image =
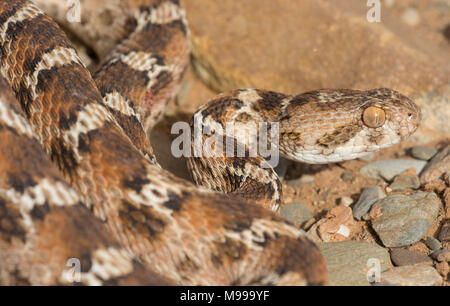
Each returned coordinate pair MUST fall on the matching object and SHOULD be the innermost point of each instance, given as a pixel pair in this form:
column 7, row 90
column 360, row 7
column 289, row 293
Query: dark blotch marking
column 239, row 224
column 231, row 249
column 10, row 10
column 85, row 262
column 175, row 202
column 143, row 220
column 163, row 79
column 187, row 264
column 39, row 211
column 218, row 106
column 135, row 183
column 270, row 99
column 66, row 122
column 64, row 156
column 20, row 182
column 339, row 136
column 264, row 242
column 83, row 143
column 10, row 222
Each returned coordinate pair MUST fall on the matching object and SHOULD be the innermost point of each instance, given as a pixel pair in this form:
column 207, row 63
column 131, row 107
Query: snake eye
column 374, row 117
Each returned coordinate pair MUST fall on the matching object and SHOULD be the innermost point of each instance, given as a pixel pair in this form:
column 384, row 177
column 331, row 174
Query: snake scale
column 79, row 178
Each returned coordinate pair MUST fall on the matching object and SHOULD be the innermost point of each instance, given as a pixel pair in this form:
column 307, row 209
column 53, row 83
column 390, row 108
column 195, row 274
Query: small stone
column 433, row 243
column 404, row 219
column 423, row 153
column 418, row 275
column 368, row 197
column 366, row 217
column 403, row 257
column 297, row 212
column 368, row 157
column 346, row 201
column 441, row 255
column 307, row 225
column 405, row 180
column 437, row 166
column 443, row 269
column 348, row 262
column 312, row 233
column 411, row 16
column 337, row 226
column 444, row 234
column 301, row 182
column 446, row 196
column 347, row 177
column 387, row 169
column 400, row 153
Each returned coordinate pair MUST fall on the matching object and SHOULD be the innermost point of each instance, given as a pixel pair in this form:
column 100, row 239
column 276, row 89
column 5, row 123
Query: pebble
column 443, row 269
column 423, row 153
column 296, row 212
column 403, row 257
column 337, row 225
column 387, row 169
column 444, row 234
column 368, row 157
column 433, row 244
column 401, row 220
column 418, row 275
column 302, row 181
column 347, row 177
column 411, row 16
column 405, row 181
column 348, row 262
column 441, row 255
column 346, row 201
column 368, row 197
column 437, row 166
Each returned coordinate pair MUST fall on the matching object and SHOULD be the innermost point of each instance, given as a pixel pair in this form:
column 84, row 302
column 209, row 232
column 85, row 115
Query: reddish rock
column 438, row 166
column 412, row 276
column 403, row 257
column 337, row 225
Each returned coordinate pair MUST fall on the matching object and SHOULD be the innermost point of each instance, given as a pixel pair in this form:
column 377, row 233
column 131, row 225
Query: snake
column 80, row 182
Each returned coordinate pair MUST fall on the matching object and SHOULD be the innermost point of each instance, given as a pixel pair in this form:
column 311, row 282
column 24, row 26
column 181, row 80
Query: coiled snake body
column 160, row 228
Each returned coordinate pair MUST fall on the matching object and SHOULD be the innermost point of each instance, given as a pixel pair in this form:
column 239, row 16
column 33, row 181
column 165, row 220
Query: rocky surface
column 337, row 225
column 444, row 234
column 433, row 244
column 349, row 262
column 441, row 255
column 423, row 152
column 297, row 212
column 403, row 257
column 437, row 166
column 405, row 180
column 412, row 276
column 368, row 197
column 401, row 220
column 389, row 168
